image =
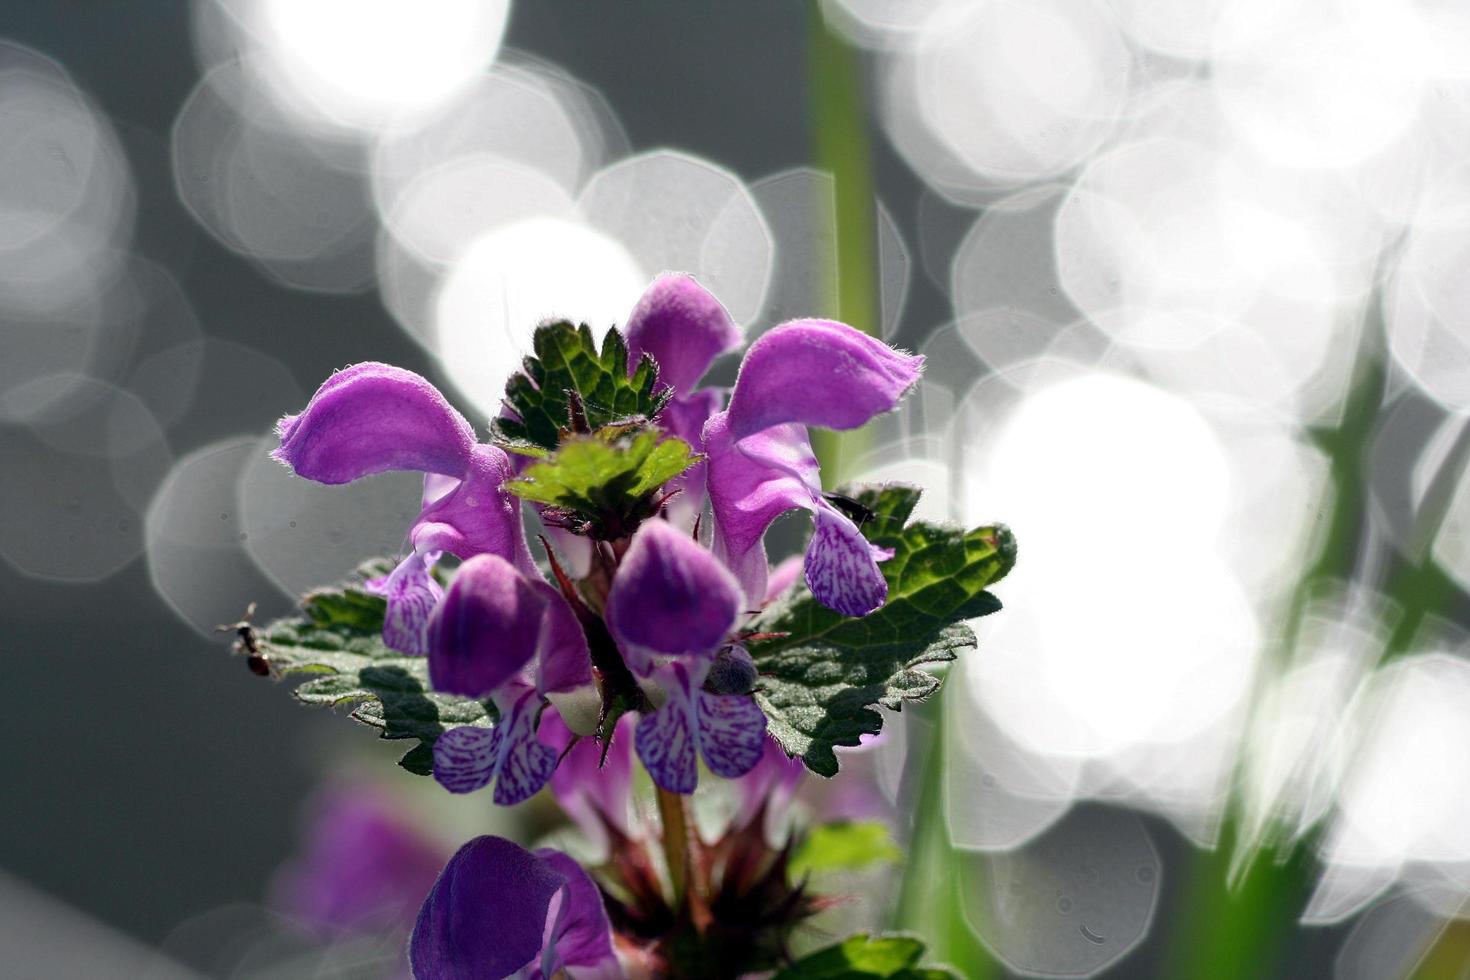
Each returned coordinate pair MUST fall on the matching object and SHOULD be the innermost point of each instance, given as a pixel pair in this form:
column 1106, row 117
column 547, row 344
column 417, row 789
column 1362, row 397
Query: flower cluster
column 365, row 868
column 643, row 604
column 739, row 909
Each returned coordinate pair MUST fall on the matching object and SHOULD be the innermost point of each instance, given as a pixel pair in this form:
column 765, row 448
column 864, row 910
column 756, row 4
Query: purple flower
column 371, row 418
column 499, row 910
column 671, row 609
column 770, row 786
column 684, row 328
column 363, row 866
column 807, row 372
column 594, row 790
column 670, row 605
column 513, row 638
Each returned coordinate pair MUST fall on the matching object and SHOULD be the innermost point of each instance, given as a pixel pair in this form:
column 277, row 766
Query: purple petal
column 581, row 935
column 412, row 593
column 683, row 326
column 486, row 628
column 817, row 372
column 436, row 485
column 563, row 661
column 770, row 784
column 732, row 733
column 671, row 596
column 574, row 551
column 363, row 867
column 469, row 757
column 465, row 757
column 370, row 418
column 667, row 739
column 525, row 763
column 842, row 567
column 588, row 789
column 751, row 483
column 477, row 517
column 783, row 577
column 685, row 418
column 485, row 917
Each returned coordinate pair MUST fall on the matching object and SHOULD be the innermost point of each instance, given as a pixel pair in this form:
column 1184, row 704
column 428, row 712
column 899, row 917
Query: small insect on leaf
column 247, row 643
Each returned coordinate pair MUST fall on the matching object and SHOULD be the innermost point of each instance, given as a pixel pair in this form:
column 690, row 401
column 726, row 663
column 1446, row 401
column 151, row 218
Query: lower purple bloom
column 363, row 866
column 498, row 910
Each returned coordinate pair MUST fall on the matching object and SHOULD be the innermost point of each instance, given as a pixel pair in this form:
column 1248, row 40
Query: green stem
column 839, row 125
column 673, row 813
column 930, row 899
column 1239, row 928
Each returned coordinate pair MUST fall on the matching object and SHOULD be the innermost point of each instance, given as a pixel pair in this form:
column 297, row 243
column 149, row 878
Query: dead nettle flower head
column 653, row 626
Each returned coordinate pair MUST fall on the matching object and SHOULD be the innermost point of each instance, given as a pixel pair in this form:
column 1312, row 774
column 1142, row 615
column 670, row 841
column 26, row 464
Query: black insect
column 247, row 642
column 855, row 511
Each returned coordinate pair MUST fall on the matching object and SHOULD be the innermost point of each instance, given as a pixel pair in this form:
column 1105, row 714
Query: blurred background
column 1190, row 279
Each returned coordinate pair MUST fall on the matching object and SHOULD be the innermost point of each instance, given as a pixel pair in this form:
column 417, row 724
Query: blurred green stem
column 930, row 902
column 1238, row 929
column 839, row 124
column 1241, row 930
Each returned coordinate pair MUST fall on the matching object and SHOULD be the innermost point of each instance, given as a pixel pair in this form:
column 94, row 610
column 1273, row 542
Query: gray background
column 149, row 778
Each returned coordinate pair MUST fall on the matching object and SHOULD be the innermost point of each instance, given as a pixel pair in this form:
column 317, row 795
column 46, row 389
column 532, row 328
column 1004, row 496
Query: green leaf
column 844, row 846
column 338, row 640
column 567, row 360
column 606, row 478
column 821, row 681
column 862, row 957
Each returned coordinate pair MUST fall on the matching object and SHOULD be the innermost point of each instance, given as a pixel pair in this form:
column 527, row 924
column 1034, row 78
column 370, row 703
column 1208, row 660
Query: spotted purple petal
column 817, row 372
column 727, row 730
column 464, row 757
column 683, row 326
column 732, row 732
column 671, row 596
column 485, row 917
column 525, row 764
column 842, row 566
column 754, row 481
column 751, row 483
column 485, row 629
column 370, row 418
column 667, row 739
column 509, row 755
column 411, row 593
